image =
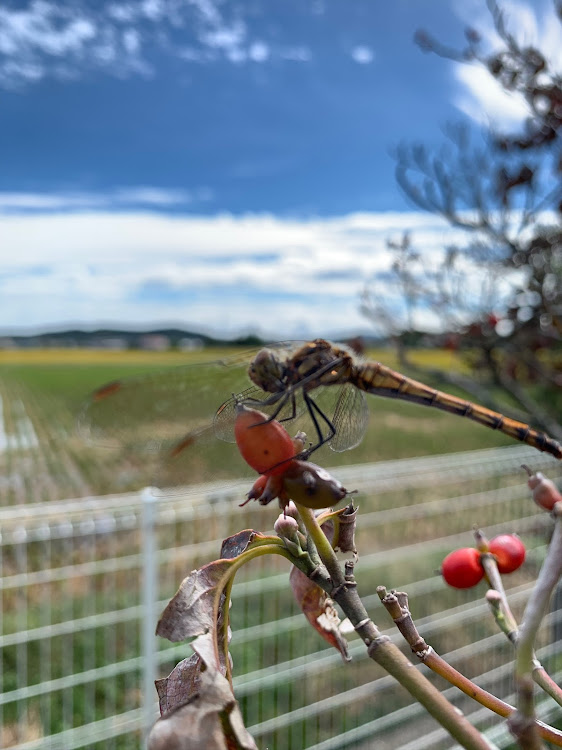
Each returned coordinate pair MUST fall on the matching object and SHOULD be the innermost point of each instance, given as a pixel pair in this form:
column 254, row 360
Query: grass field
column 46, row 458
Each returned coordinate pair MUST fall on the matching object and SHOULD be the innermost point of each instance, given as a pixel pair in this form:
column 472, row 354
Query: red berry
column 509, row 552
column 462, row 568
column 263, row 443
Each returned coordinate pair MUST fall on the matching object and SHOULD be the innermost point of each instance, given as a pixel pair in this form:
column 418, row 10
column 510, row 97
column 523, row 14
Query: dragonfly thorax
column 319, row 362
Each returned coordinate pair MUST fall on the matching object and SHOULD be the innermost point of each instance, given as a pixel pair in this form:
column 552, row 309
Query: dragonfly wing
column 150, row 411
column 199, row 457
column 350, row 418
column 142, row 419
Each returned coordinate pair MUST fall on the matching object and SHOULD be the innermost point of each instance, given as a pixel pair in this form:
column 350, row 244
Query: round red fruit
column 462, row 569
column 264, row 444
column 509, row 552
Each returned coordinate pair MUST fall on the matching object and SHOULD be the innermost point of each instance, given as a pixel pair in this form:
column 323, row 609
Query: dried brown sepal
column 347, row 522
column 234, row 545
column 319, row 610
column 184, row 681
column 339, row 527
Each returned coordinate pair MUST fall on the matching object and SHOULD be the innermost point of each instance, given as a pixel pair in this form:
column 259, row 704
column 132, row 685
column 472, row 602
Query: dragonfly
column 176, row 426
column 315, row 387
column 321, row 363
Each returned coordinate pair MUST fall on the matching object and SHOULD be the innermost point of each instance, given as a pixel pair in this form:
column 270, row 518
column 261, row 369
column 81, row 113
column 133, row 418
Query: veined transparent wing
column 350, row 417
column 162, row 422
column 152, row 411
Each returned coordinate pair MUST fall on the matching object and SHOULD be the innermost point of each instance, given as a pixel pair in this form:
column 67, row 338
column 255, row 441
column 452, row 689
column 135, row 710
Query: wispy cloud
column 140, row 197
column 284, row 277
column 48, row 38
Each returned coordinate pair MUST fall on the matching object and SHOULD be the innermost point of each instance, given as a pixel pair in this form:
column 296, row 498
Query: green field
column 43, row 392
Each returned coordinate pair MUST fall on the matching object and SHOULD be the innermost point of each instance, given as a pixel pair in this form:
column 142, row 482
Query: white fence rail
column 83, row 582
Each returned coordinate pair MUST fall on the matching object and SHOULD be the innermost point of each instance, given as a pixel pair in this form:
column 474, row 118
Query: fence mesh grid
column 83, row 582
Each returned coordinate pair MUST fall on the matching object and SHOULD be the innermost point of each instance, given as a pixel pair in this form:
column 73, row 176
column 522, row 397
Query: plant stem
column 381, row 649
column 508, row 624
column 224, row 586
column 438, row 665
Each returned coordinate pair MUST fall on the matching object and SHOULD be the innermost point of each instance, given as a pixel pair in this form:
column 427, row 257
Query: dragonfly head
column 267, row 371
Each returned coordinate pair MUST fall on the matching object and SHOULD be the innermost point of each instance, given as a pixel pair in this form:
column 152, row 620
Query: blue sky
column 224, row 166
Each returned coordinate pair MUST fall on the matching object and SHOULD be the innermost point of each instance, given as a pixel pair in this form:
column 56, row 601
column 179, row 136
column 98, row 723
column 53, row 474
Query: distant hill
column 114, row 338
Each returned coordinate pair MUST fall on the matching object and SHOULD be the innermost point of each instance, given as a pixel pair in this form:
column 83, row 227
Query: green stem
column 224, row 585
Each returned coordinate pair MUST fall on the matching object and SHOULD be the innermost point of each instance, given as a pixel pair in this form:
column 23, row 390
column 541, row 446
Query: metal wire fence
column 83, row 582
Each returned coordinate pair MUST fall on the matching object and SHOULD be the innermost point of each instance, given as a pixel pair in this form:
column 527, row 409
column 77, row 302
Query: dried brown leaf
column 180, row 685
column 191, row 611
column 209, row 720
column 319, row 610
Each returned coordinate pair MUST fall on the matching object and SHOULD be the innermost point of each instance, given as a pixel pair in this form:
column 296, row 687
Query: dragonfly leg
column 314, row 409
column 286, row 396
column 282, row 399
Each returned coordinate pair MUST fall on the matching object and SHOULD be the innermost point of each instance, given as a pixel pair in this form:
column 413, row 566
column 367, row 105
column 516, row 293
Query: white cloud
column 362, row 55
column 287, row 277
column 258, row 52
column 153, row 9
column 35, row 40
column 485, row 101
column 225, row 38
column 42, row 27
column 131, row 41
column 480, row 96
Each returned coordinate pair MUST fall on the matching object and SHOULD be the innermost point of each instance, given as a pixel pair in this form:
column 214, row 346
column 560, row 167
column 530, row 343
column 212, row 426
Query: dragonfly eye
column 267, row 371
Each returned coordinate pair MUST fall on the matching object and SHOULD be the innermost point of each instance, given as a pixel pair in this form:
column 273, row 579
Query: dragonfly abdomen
column 380, row 380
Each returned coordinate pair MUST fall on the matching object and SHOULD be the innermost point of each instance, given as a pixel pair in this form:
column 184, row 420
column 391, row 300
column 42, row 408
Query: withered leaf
column 181, row 684
column 209, row 720
column 319, row 610
column 190, row 611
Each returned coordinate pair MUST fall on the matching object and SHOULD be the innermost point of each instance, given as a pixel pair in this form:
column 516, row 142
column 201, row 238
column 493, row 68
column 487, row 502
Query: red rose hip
column 462, row 569
column 509, row 551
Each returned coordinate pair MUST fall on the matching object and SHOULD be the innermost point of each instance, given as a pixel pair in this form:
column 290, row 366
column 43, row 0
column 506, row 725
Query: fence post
column 149, row 597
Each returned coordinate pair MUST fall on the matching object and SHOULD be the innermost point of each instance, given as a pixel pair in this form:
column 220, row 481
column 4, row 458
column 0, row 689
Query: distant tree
column 499, row 293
